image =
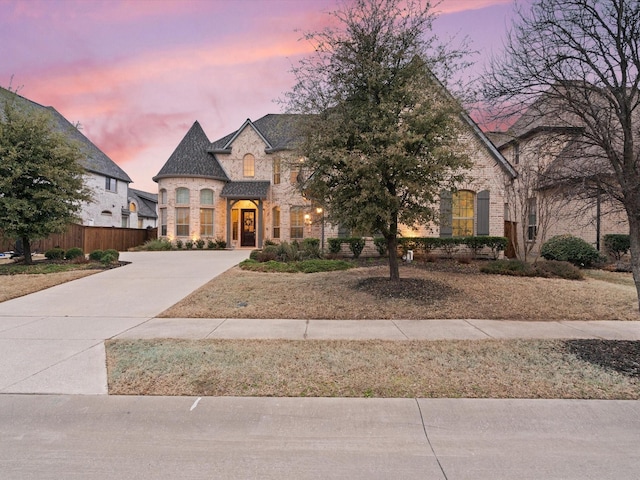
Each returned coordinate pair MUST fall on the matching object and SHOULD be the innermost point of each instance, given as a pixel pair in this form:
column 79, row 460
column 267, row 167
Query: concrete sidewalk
column 199, row 328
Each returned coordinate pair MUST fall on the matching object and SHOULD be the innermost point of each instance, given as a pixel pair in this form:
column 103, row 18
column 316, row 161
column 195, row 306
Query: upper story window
column 163, row 197
column 110, row 184
column 277, row 166
column 206, row 197
column 249, row 165
column 132, row 207
column 182, row 196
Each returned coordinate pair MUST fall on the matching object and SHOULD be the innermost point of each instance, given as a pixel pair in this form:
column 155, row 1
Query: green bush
column 310, row 248
column 157, row 244
column 110, row 256
column 567, row 248
column 188, row 244
column 73, row 252
column 268, row 253
column 546, row 269
column 335, row 245
column 211, row 244
column 221, row 244
column 179, row 244
column 108, row 259
column 509, row 267
column 306, row 266
column 617, row 245
column 200, row 244
column 54, row 254
column 381, row 245
column 356, row 245
column 268, row 242
column 96, row 255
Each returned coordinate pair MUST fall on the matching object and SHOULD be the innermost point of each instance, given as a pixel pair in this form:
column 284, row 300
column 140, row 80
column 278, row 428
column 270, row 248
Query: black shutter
column 483, row 212
column 446, row 214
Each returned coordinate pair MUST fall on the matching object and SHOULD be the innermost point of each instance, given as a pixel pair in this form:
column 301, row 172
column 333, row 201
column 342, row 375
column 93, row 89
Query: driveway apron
column 52, row 340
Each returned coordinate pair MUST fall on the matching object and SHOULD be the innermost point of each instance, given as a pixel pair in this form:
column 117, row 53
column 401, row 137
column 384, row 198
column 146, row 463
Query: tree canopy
column 381, row 131
column 41, row 179
column 578, row 62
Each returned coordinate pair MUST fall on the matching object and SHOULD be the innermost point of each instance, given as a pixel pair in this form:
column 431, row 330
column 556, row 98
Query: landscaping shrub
column 113, row 253
column 335, row 244
column 305, row 266
column 567, row 248
column 73, row 252
column 54, row 254
column 179, row 244
column 200, row 244
column 211, row 245
column 552, row 268
column 96, row 255
column 267, row 254
column 157, row 244
column 268, row 242
column 356, row 245
column 310, row 248
column 381, row 245
column 108, row 259
column 286, row 252
column 221, row 244
column 508, row 267
column 617, row 245
column 546, row 269
column 254, row 255
column 188, row 244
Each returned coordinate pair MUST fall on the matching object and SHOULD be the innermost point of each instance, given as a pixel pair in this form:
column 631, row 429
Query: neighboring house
column 108, row 182
column 544, row 147
column 143, row 207
column 242, row 188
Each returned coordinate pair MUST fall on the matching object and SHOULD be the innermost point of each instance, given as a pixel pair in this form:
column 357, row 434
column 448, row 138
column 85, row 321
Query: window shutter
column 483, row 212
column 446, row 214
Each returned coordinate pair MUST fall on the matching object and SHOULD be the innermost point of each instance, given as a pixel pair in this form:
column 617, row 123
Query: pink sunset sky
column 136, row 74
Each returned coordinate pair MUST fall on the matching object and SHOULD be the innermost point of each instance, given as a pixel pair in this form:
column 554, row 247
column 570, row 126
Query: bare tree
column 577, row 62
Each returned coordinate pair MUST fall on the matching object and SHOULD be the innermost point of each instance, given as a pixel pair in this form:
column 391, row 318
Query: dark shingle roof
column 277, row 130
column 191, row 158
column 251, row 189
column 95, row 160
column 146, row 201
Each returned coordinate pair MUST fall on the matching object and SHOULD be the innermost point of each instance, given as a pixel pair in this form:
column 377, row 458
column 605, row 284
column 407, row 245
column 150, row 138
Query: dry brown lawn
column 13, row 286
column 415, row 369
column 449, row 290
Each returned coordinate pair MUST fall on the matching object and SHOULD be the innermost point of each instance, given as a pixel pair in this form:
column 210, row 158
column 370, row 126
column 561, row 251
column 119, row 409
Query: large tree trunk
column 634, row 234
column 392, row 250
column 26, row 247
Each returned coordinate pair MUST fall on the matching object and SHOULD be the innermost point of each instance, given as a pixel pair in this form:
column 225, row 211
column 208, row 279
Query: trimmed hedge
column 451, row 244
column 54, row 254
column 73, row 252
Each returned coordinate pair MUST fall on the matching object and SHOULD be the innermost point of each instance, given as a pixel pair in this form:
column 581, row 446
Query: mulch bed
column 623, row 356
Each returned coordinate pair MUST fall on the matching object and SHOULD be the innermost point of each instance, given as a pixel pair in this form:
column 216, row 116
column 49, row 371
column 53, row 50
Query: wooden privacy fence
column 95, row 238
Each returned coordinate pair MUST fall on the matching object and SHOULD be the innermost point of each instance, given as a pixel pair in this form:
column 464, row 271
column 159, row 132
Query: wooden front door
column 248, row 228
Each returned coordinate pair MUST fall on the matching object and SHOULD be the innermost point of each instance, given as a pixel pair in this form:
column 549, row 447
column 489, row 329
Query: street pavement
column 56, row 420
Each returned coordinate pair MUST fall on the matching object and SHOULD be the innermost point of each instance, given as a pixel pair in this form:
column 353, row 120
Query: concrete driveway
column 52, row 340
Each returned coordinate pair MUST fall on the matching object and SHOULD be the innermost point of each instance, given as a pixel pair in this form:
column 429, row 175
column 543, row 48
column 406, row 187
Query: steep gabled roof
column 147, row 202
column 95, row 160
column 191, row 158
column 277, row 131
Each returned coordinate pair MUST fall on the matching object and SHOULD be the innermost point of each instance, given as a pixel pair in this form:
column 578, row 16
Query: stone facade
column 248, row 159
column 107, row 206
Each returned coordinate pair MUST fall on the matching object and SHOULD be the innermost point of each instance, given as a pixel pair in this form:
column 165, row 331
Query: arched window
column 206, row 196
column 182, row 196
column 132, row 207
column 463, row 213
column 249, row 165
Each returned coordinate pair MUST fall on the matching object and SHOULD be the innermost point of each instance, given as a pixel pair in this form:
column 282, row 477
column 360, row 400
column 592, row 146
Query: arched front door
column 248, row 228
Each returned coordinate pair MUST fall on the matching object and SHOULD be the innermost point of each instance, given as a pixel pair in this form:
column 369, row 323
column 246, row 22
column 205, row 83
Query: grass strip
column 388, row 369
